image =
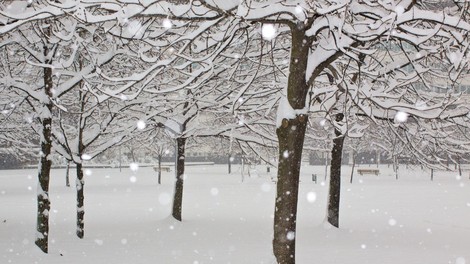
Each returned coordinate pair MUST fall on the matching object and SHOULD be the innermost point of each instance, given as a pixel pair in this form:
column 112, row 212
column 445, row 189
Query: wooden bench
column 163, row 168
column 368, row 171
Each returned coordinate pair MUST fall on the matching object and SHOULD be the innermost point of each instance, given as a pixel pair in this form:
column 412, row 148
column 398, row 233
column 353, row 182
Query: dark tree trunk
column 178, row 195
column 335, row 176
column 67, row 174
column 159, row 169
column 229, row 164
column 285, row 216
column 80, row 184
column 291, row 134
column 353, row 166
column 43, row 202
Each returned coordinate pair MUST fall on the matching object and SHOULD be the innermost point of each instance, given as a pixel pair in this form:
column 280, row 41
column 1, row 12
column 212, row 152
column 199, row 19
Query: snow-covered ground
column 412, row 220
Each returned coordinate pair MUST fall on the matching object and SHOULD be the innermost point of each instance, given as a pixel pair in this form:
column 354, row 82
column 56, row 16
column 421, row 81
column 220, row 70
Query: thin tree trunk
column 291, row 134
column 43, row 202
column 67, row 174
column 395, row 166
column 460, row 168
column 335, row 176
column 80, row 184
column 326, row 165
column 178, row 194
column 159, row 169
column 229, row 163
column 353, row 165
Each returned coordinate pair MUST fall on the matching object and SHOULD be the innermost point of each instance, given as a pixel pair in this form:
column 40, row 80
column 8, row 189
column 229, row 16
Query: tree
column 43, row 50
column 321, row 34
column 313, row 27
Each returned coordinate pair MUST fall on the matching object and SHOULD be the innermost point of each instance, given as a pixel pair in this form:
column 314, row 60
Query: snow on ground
column 412, row 220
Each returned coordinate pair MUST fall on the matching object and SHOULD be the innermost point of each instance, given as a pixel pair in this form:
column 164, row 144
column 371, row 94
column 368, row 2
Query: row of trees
column 88, row 75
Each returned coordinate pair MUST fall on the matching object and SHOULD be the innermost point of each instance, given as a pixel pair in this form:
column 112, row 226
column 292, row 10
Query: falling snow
column 268, row 31
column 228, row 217
column 401, row 117
column 141, row 124
column 290, row 235
column 86, row 157
column 134, row 166
column 311, row 197
column 167, row 23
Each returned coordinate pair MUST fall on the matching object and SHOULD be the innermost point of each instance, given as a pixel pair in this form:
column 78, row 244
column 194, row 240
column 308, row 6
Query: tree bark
column 67, row 174
column 80, row 184
column 353, row 166
column 335, row 176
column 229, row 163
column 291, row 134
column 159, row 169
column 43, row 202
column 178, row 194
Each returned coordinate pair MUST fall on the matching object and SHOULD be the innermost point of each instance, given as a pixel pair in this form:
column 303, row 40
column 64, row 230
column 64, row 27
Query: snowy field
column 412, row 220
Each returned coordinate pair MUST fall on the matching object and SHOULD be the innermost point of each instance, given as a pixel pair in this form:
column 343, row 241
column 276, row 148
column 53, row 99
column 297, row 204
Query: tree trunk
column 285, row 216
column 67, row 174
column 395, row 166
column 178, row 194
column 377, row 158
column 335, row 176
column 229, row 163
column 353, row 165
column 80, row 184
column 291, row 134
column 43, row 202
column 326, row 165
column 159, row 169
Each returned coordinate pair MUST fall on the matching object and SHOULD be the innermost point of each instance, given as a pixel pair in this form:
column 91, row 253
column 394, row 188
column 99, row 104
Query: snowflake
column 268, row 31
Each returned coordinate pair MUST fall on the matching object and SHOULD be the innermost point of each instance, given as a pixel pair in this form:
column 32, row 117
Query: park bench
column 163, row 168
column 368, row 171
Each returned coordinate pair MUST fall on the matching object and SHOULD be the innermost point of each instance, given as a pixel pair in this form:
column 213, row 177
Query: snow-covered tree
column 44, row 53
column 321, row 34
